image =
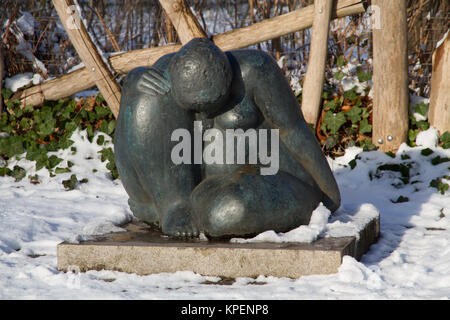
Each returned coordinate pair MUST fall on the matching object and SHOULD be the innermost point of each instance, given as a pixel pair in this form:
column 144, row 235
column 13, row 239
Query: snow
column 441, row 41
column 428, row 138
column 343, row 223
column 414, row 100
column 27, row 24
column 18, row 81
column 410, row 260
column 304, row 233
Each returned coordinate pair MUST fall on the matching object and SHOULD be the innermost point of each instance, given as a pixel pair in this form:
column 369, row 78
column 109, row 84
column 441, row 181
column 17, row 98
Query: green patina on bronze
column 225, row 90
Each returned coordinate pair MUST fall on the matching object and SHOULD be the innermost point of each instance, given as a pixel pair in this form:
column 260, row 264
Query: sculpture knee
column 223, row 215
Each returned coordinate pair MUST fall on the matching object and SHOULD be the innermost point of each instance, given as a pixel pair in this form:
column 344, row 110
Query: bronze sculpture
column 241, row 89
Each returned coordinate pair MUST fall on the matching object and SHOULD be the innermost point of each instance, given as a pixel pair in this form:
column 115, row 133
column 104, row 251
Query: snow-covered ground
column 411, row 260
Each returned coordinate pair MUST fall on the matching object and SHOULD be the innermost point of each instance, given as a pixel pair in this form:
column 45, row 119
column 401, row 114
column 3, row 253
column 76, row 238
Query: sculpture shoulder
column 251, row 62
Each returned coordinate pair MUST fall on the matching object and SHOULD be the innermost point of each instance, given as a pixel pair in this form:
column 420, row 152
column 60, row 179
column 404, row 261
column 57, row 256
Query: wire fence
column 35, row 41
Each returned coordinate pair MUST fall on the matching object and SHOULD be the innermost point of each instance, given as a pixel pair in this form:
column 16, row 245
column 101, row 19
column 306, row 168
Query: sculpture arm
column 275, row 99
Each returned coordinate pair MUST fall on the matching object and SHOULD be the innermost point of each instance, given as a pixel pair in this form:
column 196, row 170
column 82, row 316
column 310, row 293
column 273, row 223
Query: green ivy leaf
column 5, row 172
column 367, row 145
column 405, row 157
column 111, row 127
column 11, row 146
column 334, row 121
column 438, row 160
column 39, row 155
column 423, row 125
column 339, row 75
column 6, row 93
column 107, row 154
column 26, row 123
column 65, row 143
column 104, row 127
column 364, row 76
column 70, row 126
column 412, row 135
column 18, row 173
column 90, row 131
column 354, row 115
column 101, row 112
column 365, row 113
column 46, row 128
column 71, row 183
column 100, row 140
column 426, row 152
column 61, row 170
column 4, row 119
column 331, row 141
column 364, row 126
column 53, row 161
column 390, row 154
column 445, row 139
column 28, row 108
column 421, row 109
column 18, row 112
column 100, row 98
column 400, row 199
column 340, row 61
column 331, row 105
column 350, row 94
column 66, row 114
column 437, row 183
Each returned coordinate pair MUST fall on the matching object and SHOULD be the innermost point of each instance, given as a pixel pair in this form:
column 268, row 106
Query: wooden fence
column 390, row 66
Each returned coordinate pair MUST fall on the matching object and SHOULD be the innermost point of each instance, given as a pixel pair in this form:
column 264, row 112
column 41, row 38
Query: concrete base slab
column 144, row 250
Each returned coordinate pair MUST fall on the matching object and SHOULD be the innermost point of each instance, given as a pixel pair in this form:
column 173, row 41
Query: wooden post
column 80, row 80
column 315, row 74
column 2, row 70
column 87, row 51
column 439, row 112
column 390, row 76
column 170, row 30
column 183, row 20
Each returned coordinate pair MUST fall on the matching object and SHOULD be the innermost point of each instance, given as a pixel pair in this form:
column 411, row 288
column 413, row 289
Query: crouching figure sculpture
column 221, row 100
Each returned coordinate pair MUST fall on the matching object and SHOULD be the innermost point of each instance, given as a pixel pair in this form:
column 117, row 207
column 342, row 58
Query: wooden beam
column 183, row 20
column 390, row 76
column 281, row 25
column 439, row 112
column 87, row 51
column 315, row 74
column 79, row 80
column 2, row 70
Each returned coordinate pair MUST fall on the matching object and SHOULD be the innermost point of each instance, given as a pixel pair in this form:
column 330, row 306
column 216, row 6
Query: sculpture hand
column 152, row 82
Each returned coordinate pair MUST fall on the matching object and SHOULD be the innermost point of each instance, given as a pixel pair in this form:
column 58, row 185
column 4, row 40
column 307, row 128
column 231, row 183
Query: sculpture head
column 200, row 75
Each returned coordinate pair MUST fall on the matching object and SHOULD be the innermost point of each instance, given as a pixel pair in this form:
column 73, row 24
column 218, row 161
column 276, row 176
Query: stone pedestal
column 143, row 250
